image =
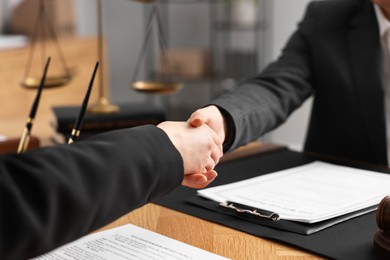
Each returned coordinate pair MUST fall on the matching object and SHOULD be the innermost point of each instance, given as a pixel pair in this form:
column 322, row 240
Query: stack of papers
column 310, row 193
column 128, row 242
column 12, row 41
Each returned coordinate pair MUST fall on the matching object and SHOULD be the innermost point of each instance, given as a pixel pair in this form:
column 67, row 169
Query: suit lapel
column 365, row 57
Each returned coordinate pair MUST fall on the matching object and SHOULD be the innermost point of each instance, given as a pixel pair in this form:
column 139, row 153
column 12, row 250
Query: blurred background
column 209, row 44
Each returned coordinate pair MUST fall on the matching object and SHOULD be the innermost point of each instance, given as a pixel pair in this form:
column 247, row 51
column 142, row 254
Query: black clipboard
column 251, row 214
column 352, row 239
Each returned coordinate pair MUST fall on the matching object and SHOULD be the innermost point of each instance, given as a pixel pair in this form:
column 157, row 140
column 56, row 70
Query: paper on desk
column 127, row 242
column 310, row 193
column 12, row 41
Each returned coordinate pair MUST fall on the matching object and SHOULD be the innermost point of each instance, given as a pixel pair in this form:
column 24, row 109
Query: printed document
column 310, row 193
column 127, row 242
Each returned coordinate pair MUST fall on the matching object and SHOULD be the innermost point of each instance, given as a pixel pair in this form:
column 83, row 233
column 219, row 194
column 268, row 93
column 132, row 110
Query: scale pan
column 159, row 87
column 50, row 82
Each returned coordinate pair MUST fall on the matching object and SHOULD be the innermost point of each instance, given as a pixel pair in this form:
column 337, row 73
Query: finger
column 210, row 164
column 195, row 180
column 217, row 140
column 216, row 154
column 196, row 120
column 211, row 175
column 198, row 180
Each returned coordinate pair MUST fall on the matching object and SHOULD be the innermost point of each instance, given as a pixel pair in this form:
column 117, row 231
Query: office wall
column 85, row 15
column 123, row 31
column 2, row 15
column 187, row 26
column 123, row 25
column 6, row 6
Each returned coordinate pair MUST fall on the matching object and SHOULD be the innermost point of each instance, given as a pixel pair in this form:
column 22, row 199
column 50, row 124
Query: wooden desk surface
column 212, row 237
column 81, row 55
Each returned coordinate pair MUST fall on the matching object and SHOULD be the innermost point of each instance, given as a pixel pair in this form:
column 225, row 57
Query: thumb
column 196, row 120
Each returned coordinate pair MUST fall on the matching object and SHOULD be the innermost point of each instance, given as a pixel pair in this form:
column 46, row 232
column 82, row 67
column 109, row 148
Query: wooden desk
column 81, row 55
column 208, row 236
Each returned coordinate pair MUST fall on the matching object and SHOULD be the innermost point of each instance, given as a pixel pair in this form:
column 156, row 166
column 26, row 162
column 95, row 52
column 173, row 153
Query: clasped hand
column 200, row 148
column 199, row 142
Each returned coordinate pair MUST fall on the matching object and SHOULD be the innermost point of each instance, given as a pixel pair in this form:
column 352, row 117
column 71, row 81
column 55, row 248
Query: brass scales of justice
column 45, row 32
column 162, row 83
column 160, row 86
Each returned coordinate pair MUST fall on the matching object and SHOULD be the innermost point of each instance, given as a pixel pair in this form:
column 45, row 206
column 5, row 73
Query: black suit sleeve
column 334, row 55
column 261, row 103
column 51, row 196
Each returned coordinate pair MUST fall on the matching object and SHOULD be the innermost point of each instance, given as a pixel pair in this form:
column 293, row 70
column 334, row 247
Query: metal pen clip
column 264, row 214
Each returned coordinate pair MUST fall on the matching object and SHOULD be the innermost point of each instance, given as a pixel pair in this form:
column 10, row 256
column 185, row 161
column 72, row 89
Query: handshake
column 199, row 142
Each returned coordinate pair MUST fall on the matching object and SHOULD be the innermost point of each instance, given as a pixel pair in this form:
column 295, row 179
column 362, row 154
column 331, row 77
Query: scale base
column 103, row 106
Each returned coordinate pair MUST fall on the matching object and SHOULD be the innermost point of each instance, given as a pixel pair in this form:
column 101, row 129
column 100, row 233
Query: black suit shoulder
column 331, row 14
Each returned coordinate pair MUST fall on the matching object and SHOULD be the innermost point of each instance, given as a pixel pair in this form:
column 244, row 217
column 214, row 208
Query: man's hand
column 212, row 117
column 200, row 148
column 199, row 180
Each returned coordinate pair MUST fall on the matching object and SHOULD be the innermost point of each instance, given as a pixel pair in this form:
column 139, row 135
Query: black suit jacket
column 335, row 55
column 52, row 196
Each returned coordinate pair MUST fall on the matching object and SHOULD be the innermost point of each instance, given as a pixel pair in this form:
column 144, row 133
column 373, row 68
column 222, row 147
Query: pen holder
column 382, row 236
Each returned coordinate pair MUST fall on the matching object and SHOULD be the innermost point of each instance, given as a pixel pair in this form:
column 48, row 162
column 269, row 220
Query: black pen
column 25, row 138
column 79, row 119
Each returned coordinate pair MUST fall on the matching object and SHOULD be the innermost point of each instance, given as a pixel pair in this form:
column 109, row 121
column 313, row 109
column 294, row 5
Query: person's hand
column 199, row 180
column 210, row 116
column 200, row 147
